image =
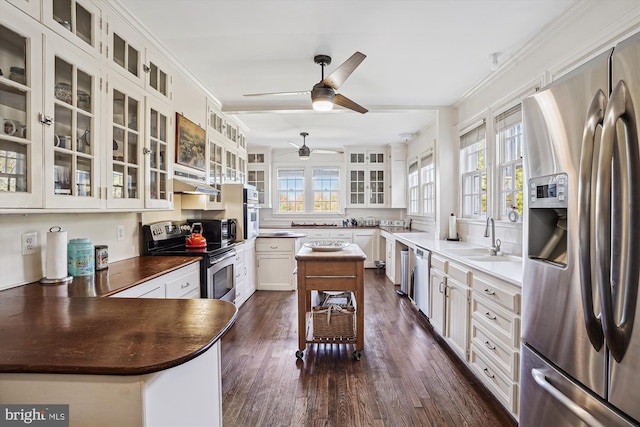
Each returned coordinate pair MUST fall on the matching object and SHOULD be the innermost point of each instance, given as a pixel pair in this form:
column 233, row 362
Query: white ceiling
column 420, row 54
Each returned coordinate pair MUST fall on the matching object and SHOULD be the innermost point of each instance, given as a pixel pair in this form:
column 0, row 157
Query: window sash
column 291, row 190
column 326, row 190
column 509, row 138
column 414, row 189
column 427, row 179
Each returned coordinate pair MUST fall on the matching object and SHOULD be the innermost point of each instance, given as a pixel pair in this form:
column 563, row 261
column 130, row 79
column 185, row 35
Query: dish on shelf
column 327, row 245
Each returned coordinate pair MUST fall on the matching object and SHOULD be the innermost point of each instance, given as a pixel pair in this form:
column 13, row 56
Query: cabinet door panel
column 275, row 271
column 438, row 286
column 457, row 314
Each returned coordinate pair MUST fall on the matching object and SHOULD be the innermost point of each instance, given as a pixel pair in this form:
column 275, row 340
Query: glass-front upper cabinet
column 20, row 102
column 158, row 156
column 216, row 168
column 258, row 175
column 366, row 179
column 31, row 7
column 78, row 21
column 73, row 153
column 159, row 75
column 125, row 51
column 125, row 152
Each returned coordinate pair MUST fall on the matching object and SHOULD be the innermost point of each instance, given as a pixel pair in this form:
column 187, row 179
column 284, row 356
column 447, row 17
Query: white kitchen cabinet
column 390, row 263
column 78, row 21
column 495, row 337
column 74, row 149
column 125, row 177
column 258, row 175
column 250, row 267
column 312, row 234
column 457, row 303
column 438, row 286
column 20, row 102
column 30, row 7
column 367, row 179
column 181, row 283
column 398, row 184
column 124, row 51
column 275, row 258
column 367, row 240
column 158, row 153
column 239, row 271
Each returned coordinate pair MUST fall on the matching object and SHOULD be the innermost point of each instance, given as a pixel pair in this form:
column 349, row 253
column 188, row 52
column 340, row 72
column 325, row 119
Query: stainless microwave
column 219, row 231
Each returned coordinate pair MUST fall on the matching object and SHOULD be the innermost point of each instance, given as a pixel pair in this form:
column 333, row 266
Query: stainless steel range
column 217, row 278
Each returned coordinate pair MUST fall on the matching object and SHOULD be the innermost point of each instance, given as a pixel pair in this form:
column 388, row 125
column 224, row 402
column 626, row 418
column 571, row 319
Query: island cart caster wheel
column 299, row 354
column 357, row 354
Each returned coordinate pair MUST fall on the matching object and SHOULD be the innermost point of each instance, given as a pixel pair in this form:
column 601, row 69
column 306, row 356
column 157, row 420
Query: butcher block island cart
column 339, row 270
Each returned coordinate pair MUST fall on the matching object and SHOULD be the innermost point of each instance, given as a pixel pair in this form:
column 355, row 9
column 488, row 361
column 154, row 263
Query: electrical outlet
column 29, row 243
column 120, row 235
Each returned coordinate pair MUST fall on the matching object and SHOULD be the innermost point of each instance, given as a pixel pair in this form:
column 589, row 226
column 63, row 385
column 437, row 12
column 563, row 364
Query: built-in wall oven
column 217, row 275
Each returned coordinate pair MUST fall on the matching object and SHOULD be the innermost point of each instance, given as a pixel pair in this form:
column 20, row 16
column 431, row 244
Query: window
column 509, row 144
column 414, row 189
column 326, row 190
column 473, row 153
column 427, row 180
column 291, row 190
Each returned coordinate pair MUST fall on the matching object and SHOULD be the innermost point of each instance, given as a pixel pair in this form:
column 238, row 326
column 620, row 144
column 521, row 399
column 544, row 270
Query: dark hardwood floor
column 405, row 377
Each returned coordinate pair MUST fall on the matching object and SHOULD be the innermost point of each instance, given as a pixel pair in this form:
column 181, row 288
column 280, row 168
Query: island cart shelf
column 341, row 270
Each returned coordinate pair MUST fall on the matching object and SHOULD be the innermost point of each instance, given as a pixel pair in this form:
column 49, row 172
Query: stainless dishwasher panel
column 421, row 279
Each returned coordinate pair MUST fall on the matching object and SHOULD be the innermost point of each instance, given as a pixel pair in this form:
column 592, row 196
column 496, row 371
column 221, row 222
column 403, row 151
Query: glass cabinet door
column 76, row 20
column 20, row 96
column 125, row 52
column 216, row 164
column 158, row 158
column 125, row 151
column 71, row 152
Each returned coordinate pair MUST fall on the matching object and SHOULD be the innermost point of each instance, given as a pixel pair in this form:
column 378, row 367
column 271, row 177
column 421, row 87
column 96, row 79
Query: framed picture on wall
column 190, row 143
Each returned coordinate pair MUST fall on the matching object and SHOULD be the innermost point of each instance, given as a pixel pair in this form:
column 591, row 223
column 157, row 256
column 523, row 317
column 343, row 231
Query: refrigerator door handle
column 541, row 379
column 620, row 108
column 595, row 117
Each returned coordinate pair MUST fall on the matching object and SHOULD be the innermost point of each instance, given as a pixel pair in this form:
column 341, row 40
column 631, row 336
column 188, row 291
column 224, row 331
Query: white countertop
column 509, row 269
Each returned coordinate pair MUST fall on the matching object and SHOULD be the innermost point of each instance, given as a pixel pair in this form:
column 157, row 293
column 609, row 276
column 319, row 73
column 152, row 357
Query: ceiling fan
column 304, row 151
column 323, row 95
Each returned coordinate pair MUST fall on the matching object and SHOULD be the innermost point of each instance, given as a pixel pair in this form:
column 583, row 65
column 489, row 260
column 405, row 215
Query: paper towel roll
column 453, row 234
column 56, row 254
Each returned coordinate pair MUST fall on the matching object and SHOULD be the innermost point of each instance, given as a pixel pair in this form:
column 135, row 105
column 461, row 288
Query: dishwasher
column 421, row 279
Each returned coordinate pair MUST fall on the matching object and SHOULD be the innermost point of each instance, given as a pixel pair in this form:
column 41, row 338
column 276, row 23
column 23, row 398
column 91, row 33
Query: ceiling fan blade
column 327, row 151
column 300, row 92
column 345, row 102
column 341, row 73
column 295, row 145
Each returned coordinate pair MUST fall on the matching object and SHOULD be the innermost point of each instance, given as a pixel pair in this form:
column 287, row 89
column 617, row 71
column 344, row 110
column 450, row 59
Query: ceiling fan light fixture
column 304, row 152
column 322, row 98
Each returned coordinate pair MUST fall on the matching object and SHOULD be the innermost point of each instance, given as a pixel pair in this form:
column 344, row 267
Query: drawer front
column 502, row 323
column 439, row 263
column 501, row 354
column 503, row 295
column 461, row 274
column 184, row 284
column 153, row 288
column 275, row 245
column 503, row 389
column 333, row 268
column 341, row 234
column 316, row 234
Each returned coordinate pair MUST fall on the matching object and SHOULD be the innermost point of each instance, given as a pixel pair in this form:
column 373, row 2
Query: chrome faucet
column 495, row 243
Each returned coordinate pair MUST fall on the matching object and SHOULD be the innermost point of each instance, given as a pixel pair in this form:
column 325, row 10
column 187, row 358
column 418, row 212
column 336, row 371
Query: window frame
column 308, row 190
column 414, row 188
column 509, row 128
column 428, row 184
column 474, row 144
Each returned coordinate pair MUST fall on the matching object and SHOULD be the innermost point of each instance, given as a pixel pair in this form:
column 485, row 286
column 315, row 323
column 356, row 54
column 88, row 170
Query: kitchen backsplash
column 101, row 229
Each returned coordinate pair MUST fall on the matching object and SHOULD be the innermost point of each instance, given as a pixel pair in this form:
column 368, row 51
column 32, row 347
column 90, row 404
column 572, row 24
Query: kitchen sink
column 468, row 252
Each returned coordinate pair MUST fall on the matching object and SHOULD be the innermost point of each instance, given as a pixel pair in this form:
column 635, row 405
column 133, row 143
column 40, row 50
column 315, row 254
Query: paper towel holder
column 61, row 281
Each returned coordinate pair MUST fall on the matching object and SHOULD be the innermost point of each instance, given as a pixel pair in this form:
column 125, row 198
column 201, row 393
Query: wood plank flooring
column 405, row 377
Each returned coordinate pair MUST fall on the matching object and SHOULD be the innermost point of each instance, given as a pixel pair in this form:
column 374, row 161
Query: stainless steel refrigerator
column 581, row 338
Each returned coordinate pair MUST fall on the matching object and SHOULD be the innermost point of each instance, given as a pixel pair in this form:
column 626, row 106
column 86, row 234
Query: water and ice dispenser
column 548, row 201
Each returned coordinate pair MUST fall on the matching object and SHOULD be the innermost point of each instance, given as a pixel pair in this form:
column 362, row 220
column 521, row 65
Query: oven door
column 221, row 278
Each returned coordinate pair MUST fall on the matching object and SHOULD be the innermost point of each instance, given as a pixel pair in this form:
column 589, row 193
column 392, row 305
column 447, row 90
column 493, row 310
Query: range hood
column 191, row 184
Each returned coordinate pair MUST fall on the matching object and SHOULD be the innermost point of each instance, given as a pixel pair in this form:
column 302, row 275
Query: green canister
column 80, row 257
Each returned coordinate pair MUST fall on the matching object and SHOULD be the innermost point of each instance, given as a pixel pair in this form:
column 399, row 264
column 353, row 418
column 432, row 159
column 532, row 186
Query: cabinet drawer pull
column 487, row 373
column 489, row 292
column 440, row 287
column 273, row 247
column 186, row 285
column 489, row 346
column 489, row 316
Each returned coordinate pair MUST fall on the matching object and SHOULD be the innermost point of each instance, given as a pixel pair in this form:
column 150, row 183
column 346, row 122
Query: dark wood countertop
column 107, row 336
column 57, row 329
column 288, row 235
column 119, row 276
